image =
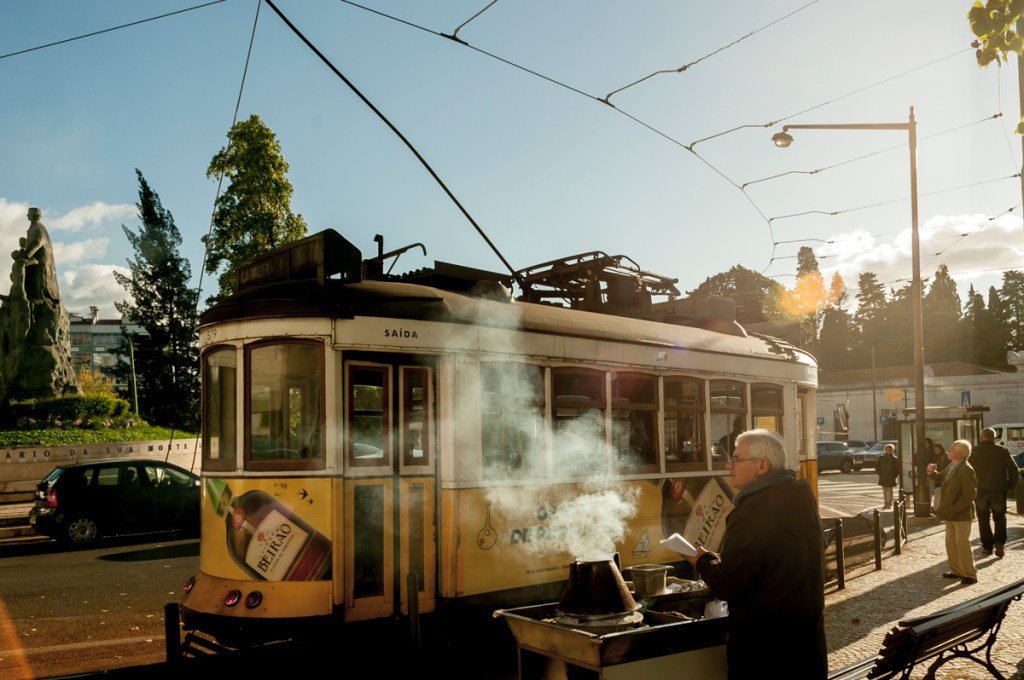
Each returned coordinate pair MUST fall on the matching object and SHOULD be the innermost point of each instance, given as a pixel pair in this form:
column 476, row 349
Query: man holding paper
column 771, row 570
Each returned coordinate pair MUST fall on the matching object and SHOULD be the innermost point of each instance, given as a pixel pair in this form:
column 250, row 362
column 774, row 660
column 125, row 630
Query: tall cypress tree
column 1012, row 295
column 941, row 315
column 167, row 356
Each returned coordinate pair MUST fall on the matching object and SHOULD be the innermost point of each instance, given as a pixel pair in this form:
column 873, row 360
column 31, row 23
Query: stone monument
column 35, row 332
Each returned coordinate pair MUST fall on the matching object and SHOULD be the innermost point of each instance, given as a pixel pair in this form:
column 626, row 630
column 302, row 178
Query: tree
column 1012, row 295
column 995, row 24
column 756, row 296
column 869, row 320
column 253, row 215
column 940, row 310
column 809, row 298
column 166, row 360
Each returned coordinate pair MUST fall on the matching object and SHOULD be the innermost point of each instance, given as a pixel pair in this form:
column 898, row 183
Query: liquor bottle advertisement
column 270, row 529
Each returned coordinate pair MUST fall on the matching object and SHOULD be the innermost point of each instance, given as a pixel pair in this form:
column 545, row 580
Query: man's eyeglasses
column 737, row 459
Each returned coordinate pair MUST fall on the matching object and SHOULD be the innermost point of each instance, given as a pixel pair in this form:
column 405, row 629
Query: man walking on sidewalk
column 956, row 510
column 997, row 473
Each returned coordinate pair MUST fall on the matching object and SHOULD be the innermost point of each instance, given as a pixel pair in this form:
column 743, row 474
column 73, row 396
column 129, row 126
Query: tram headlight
column 189, row 584
column 253, row 599
column 232, row 598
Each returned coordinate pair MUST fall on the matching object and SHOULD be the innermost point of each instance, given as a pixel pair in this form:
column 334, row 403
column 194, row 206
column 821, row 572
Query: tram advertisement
column 526, row 537
column 269, row 529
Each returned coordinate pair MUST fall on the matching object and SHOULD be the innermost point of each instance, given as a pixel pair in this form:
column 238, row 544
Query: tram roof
column 324, row 275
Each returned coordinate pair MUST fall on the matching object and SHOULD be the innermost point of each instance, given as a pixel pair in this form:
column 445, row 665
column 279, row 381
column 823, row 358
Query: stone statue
column 35, row 336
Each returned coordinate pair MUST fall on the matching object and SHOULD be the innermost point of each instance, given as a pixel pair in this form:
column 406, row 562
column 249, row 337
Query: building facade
column 94, row 342
column 868, row 404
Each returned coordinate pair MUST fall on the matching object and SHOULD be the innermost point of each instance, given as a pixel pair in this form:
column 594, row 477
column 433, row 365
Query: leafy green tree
column 834, row 346
column 166, row 357
column 809, row 298
column 940, row 310
column 869, row 320
column 1012, row 295
column 895, row 341
column 756, row 296
column 995, row 23
column 253, row 215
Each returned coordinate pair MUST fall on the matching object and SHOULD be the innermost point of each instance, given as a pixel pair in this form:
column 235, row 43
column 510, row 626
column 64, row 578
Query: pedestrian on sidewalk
column 956, row 510
column 771, row 570
column 997, row 473
column 941, row 461
column 888, row 470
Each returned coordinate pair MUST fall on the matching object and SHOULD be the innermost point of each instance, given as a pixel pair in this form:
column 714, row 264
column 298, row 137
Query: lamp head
column 782, row 139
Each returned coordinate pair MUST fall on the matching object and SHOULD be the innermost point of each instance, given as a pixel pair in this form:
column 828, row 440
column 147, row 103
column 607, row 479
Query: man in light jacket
column 956, row 510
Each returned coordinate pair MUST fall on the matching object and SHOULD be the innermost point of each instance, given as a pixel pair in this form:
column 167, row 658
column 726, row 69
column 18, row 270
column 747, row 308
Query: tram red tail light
column 190, row 583
column 253, row 599
column 232, row 598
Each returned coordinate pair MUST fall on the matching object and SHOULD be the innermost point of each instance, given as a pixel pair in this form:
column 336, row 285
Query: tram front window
column 284, row 402
column 219, row 441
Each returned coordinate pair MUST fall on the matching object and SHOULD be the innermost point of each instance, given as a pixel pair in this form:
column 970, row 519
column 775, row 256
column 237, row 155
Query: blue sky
column 543, row 166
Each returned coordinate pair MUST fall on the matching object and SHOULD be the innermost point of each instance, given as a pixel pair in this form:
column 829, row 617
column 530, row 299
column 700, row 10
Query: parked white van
column 1011, row 435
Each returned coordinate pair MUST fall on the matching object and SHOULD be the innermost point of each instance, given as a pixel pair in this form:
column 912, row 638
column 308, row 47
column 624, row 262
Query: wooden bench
column 945, row 635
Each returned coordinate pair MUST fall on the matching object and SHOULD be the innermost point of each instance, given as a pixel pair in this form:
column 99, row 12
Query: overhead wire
column 686, row 67
column 872, row 154
column 637, row 120
column 515, row 275
column 112, row 28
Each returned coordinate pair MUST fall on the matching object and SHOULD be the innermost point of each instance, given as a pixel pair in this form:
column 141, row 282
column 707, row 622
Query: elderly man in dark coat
column 771, row 568
column 997, row 473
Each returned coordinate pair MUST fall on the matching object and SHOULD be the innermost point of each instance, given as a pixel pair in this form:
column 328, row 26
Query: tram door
column 390, row 491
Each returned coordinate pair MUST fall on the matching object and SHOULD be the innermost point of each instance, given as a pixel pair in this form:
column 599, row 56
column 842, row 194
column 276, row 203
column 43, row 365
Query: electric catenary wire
column 108, row 30
column 405, row 141
column 686, row 67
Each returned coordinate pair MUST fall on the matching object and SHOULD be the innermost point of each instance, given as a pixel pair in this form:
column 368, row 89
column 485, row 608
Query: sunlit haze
column 514, row 123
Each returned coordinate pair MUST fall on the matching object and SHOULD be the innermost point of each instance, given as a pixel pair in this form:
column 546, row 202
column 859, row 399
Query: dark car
column 872, row 455
column 78, row 503
column 838, row 456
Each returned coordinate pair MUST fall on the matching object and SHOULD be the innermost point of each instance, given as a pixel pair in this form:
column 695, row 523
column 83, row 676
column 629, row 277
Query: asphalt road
column 64, row 612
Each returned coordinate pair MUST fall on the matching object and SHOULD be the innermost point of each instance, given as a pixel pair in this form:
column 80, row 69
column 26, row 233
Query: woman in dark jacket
column 888, row 469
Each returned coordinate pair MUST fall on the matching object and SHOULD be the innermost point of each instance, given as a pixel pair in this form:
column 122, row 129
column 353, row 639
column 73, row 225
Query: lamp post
column 922, row 499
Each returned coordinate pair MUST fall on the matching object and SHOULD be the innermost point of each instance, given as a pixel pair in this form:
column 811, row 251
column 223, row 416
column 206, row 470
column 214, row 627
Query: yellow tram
column 380, row 447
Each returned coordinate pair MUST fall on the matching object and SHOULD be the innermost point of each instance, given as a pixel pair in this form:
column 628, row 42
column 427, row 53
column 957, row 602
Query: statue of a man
column 41, row 276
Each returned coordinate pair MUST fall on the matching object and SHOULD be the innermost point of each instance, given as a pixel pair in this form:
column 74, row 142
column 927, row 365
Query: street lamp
column 922, row 499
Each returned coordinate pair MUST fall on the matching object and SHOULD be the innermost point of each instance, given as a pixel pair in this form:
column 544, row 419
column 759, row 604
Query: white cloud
column 975, row 248
column 78, row 251
column 95, row 213
column 93, row 285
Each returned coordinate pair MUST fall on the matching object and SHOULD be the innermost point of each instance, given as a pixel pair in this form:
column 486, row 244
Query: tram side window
column 766, row 407
column 634, row 421
column 579, row 403
column 219, row 402
column 285, row 405
column 512, row 420
column 728, row 418
column 684, row 424
column 368, row 416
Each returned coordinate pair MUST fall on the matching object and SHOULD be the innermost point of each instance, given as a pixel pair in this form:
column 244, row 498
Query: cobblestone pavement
column 911, row 584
